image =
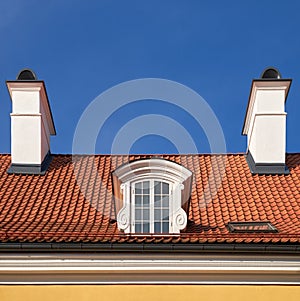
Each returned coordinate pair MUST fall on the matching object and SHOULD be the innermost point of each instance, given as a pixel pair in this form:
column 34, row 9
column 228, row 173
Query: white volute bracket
column 31, row 123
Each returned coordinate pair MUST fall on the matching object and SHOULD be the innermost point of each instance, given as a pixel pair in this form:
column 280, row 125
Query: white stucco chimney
column 265, row 123
column 31, row 124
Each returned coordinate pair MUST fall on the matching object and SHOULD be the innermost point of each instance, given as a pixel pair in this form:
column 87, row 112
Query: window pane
column 165, row 202
column 146, row 228
column 138, row 188
column 157, row 227
column 157, row 201
column 165, row 188
column 165, row 227
column 146, row 185
column 146, row 216
column 138, row 228
column 138, row 200
column 157, row 215
column 146, row 200
column 165, row 214
column 138, row 215
column 157, row 187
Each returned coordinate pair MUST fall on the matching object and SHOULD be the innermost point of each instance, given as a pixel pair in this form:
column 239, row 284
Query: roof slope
column 74, row 202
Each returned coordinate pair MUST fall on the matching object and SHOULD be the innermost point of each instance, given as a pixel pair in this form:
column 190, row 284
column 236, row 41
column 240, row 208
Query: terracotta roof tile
column 74, row 201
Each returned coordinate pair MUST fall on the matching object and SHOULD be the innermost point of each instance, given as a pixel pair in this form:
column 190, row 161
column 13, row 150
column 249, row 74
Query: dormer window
column 152, row 196
column 150, row 206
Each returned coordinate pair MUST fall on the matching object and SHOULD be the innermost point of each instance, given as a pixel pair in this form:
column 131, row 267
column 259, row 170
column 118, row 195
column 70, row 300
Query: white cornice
column 92, row 269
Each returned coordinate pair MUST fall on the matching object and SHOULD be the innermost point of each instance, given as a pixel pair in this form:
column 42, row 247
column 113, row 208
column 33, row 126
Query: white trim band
column 61, row 270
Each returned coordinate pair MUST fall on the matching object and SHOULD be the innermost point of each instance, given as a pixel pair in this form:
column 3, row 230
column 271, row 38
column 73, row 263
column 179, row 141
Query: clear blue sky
column 82, row 48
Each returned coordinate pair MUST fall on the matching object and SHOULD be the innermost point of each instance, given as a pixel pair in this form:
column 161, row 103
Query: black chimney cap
column 26, row 74
column 271, row 73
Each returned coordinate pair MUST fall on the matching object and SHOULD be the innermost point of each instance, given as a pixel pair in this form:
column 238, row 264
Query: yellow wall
column 148, row 292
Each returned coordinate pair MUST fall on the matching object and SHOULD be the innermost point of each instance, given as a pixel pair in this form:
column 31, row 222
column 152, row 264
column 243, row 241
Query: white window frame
column 151, row 205
column 152, row 169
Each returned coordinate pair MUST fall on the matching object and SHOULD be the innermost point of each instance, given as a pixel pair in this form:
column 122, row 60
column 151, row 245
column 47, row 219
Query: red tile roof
column 53, row 208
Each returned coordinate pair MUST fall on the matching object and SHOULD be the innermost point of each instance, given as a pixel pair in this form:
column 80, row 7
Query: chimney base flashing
column 31, row 169
column 266, row 168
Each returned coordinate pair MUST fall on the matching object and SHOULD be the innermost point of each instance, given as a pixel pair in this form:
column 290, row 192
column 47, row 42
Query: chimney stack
column 265, row 123
column 31, row 124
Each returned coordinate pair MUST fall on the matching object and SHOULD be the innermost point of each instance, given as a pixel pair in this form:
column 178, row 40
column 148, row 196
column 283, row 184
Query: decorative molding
column 154, row 168
column 124, row 269
column 123, row 218
column 180, row 220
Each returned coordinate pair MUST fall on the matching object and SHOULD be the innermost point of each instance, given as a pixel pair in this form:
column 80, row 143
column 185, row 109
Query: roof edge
column 232, row 248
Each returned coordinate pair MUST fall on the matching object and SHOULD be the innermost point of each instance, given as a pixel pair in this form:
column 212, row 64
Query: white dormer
column 31, row 124
column 152, row 196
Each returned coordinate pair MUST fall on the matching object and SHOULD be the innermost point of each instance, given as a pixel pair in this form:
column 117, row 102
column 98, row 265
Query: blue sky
column 82, row 48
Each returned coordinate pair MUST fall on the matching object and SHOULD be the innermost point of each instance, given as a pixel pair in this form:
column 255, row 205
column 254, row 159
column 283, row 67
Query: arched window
column 152, row 196
column 151, row 206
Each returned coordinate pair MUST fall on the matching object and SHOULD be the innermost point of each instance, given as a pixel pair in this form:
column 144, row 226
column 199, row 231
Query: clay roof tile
column 71, row 203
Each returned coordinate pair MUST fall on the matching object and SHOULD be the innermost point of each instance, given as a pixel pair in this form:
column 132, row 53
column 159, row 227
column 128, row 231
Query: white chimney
column 265, row 123
column 31, row 124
